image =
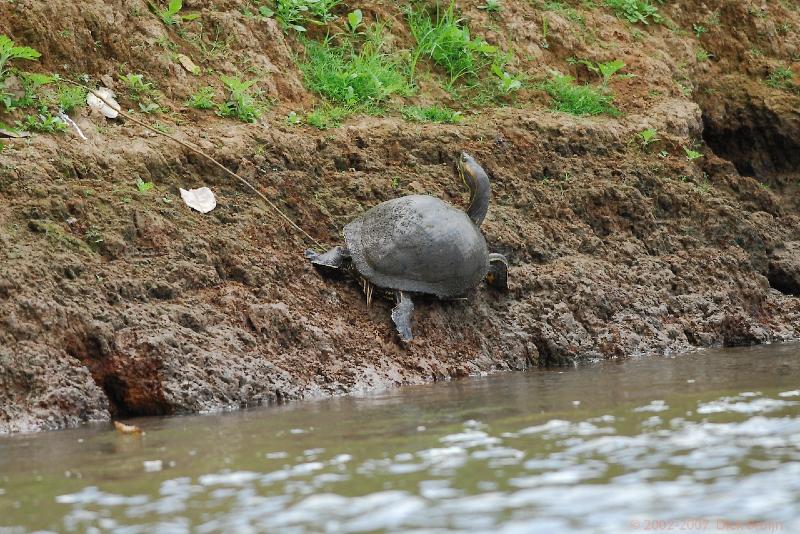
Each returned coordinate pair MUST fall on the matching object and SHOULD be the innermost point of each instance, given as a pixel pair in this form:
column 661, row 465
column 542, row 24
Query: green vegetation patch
column 352, row 76
column 635, row 11
column 781, row 78
column 241, row 103
column 575, row 99
column 328, row 117
column 432, row 114
column 297, row 14
column 446, row 40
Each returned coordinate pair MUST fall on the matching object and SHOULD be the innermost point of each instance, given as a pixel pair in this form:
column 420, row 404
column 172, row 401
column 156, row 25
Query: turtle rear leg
column 497, row 276
column 331, row 260
column 401, row 315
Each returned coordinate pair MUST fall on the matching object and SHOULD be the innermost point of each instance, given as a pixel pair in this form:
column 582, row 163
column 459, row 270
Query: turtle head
column 476, row 180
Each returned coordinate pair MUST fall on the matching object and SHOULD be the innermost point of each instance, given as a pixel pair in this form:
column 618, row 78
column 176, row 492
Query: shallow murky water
column 699, row 442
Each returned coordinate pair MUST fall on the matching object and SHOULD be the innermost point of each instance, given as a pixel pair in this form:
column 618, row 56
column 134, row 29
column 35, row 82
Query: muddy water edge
column 118, row 303
column 701, row 442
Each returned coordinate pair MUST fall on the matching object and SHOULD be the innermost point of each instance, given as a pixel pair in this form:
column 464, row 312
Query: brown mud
column 120, row 303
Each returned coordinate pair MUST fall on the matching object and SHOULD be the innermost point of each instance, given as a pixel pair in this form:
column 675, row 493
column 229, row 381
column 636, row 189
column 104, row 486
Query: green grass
column 492, row 6
column 136, row 85
column 297, row 14
column 432, row 114
column 781, row 78
column 202, row 99
column 569, row 97
column 635, row 10
column 241, row 103
column 44, row 122
column 446, row 40
column 328, row 117
column 70, row 97
column 352, row 76
column 701, row 54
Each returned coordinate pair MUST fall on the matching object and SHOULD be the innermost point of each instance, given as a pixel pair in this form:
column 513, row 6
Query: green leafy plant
column 295, row 14
column 492, row 6
column 446, row 40
column 699, row 30
column 578, row 99
column 545, row 28
column 635, row 10
column 327, row 117
column 780, row 78
column 136, row 85
column 202, row 99
column 241, row 104
column 9, row 50
column 70, row 97
column 692, row 155
column 354, row 19
column 354, row 76
column 702, row 55
column 293, row 118
column 507, row 82
column 432, row 114
column 170, row 16
column 647, row 137
column 43, row 122
column 142, row 186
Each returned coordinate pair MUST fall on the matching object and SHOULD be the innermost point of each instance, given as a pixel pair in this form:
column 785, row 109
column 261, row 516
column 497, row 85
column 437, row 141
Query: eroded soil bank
column 119, row 303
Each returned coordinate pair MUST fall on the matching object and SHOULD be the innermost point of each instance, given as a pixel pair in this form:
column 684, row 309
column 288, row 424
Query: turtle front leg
column 333, row 259
column 401, row 315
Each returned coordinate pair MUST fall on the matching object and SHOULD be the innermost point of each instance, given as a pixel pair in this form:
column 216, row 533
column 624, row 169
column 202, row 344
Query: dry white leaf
column 202, row 199
column 97, row 104
column 187, row 63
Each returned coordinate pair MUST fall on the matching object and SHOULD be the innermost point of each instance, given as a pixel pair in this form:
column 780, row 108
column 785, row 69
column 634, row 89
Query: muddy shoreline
column 117, row 303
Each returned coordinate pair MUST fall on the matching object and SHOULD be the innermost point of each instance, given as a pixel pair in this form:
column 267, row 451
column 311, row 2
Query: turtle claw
column 401, row 315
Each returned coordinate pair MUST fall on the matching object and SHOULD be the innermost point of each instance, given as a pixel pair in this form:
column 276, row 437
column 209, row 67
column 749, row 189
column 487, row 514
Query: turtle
column 419, row 244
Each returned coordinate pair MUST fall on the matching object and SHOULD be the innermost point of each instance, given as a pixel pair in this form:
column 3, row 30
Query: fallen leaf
column 110, row 111
column 188, row 64
column 13, row 134
column 122, row 428
column 201, row 199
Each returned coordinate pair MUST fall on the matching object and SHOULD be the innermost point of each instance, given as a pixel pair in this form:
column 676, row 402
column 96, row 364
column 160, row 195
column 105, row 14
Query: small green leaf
column 266, row 12
column 354, row 19
column 143, row 186
column 175, row 6
column 692, row 155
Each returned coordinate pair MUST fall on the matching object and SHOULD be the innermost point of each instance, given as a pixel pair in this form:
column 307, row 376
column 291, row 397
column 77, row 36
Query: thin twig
column 201, row 153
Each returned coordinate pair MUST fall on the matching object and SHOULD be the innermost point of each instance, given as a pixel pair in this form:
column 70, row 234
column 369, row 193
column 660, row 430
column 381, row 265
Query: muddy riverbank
column 118, row 302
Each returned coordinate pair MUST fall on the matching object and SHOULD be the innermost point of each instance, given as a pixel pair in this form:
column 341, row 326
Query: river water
column 702, row 442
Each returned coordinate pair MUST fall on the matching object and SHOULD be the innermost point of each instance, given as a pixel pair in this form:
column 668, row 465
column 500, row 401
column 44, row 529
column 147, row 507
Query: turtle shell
column 418, row 243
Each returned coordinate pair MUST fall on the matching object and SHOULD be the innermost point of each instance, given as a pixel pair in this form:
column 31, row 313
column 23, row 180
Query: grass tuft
column 579, row 99
column 446, row 40
column 432, row 114
column 327, row 117
column 364, row 77
column 635, row 11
